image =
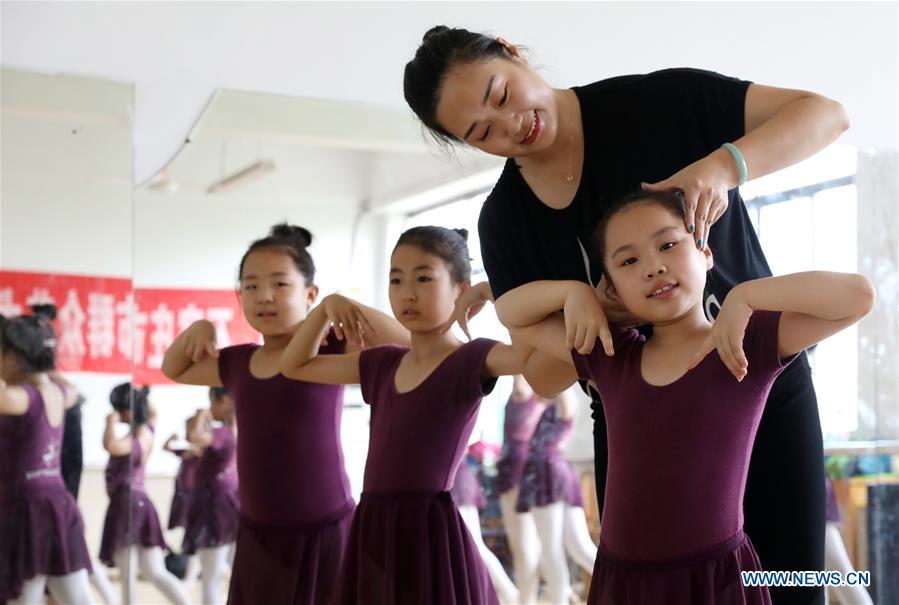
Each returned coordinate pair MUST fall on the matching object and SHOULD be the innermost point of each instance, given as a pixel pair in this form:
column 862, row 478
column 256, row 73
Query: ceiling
column 178, row 53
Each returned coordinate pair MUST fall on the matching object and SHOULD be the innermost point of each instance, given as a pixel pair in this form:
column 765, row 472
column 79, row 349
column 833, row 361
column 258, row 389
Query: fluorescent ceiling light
column 242, row 177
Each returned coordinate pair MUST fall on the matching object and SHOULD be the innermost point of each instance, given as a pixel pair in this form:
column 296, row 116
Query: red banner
column 101, row 324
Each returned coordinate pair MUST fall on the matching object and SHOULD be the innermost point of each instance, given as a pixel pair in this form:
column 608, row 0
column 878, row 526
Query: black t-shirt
column 636, row 128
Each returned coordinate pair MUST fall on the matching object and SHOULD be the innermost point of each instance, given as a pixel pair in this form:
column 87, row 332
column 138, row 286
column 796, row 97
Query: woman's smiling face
column 500, row 106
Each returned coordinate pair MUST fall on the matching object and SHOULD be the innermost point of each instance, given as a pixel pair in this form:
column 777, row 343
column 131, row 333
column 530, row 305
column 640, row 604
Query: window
column 806, row 219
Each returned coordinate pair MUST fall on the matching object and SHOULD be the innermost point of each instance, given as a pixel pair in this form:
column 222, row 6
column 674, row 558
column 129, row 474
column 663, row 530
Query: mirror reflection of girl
column 42, row 542
column 295, row 498
column 550, row 490
column 132, row 535
column 211, row 525
column 572, row 151
column 522, row 413
column 684, row 404
column 408, row 543
column 470, row 498
column 185, row 480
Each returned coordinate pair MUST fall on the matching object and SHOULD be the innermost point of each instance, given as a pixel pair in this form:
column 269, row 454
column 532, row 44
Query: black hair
column 31, row 338
column 449, row 244
column 672, row 200
column 441, row 49
column 124, row 396
column 293, row 241
column 216, row 393
column 47, row 311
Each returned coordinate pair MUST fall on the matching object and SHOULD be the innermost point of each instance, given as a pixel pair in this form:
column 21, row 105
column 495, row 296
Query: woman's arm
column 782, row 127
column 785, row 126
column 814, row 305
column 192, row 358
column 301, row 360
column 548, row 375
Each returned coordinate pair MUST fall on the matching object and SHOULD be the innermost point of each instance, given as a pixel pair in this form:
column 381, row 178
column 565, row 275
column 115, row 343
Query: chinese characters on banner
column 101, row 324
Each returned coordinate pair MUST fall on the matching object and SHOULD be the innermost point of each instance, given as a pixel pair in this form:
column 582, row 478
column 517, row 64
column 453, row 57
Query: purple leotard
column 184, row 487
column 295, row 500
column 41, row 531
column 126, row 491
column 521, row 418
column 678, row 456
column 214, row 508
column 547, row 476
column 467, row 489
column 408, row 543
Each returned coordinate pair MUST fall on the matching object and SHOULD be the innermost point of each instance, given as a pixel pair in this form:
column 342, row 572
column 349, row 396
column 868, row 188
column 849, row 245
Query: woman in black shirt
column 571, row 152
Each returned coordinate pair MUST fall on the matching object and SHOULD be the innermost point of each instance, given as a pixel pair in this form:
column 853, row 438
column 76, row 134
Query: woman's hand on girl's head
column 705, row 184
column 348, row 319
column 585, row 321
column 727, row 337
column 200, row 341
column 467, row 305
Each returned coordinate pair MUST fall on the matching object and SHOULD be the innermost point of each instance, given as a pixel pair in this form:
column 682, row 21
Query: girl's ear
column 612, row 293
column 463, row 286
column 608, row 288
column 709, row 258
column 311, row 295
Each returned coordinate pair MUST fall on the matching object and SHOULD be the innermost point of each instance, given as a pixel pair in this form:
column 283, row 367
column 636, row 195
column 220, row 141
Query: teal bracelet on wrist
column 740, row 160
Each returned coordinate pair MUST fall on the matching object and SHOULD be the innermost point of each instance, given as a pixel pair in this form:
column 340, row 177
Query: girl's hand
column 705, row 184
column 585, row 321
column 200, row 341
column 347, row 318
column 727, row 336
column 469, row 304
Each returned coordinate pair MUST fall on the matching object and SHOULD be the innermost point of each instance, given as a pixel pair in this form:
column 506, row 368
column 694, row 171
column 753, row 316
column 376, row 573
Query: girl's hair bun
column 292, row 232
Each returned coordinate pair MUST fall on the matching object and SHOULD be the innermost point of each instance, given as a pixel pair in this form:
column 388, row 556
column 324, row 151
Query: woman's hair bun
column 293, row 232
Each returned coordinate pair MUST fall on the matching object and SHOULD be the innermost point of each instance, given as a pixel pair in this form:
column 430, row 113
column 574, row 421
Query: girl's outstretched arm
column 814, row 305
column 193, row 358
column 301, row 360
column 585, row 320
column 383, row 329
column 506, row 360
